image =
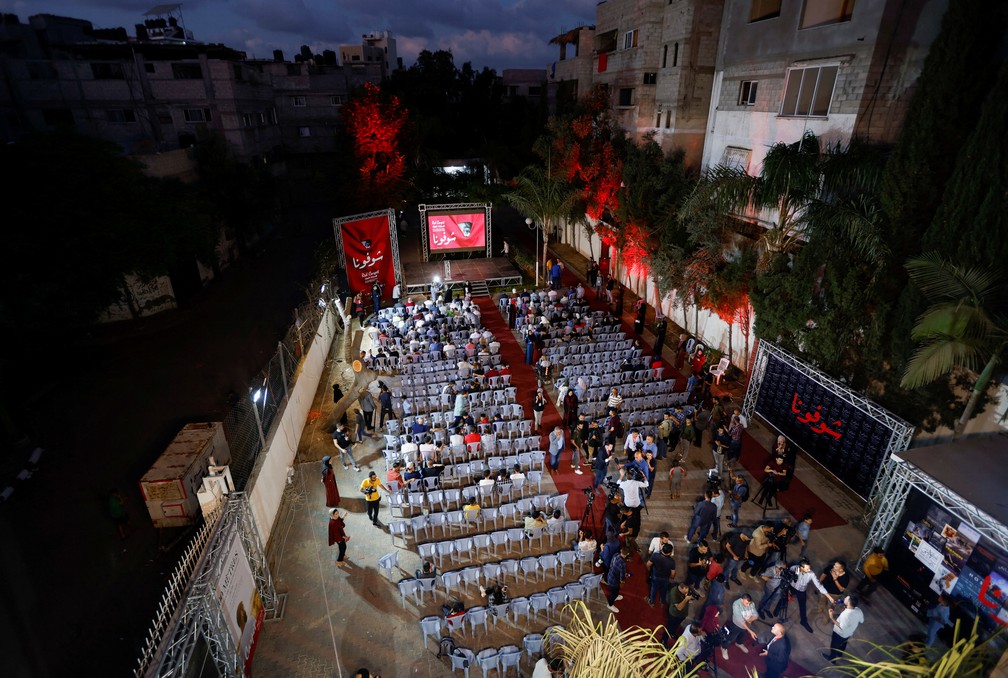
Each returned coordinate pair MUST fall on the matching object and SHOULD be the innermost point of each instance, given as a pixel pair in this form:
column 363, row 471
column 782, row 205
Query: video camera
column 693, row 594
column 788, row 575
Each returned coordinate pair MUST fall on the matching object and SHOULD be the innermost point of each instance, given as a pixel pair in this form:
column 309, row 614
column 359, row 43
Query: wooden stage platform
column 492, row 272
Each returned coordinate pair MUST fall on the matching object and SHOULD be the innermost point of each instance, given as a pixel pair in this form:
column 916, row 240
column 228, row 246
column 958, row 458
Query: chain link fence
column 247, row 423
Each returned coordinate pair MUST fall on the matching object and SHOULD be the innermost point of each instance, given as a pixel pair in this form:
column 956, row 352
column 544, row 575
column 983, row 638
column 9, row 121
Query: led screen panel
column 934, row 552
column 846, row 440
column 456, row 231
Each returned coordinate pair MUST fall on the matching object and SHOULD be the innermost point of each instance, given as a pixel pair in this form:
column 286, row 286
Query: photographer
column 773, row 586
column 697, row 563
column 733, row 546
column 738, row 495
column 799, row 589
column 369, row 486
column 680, row 598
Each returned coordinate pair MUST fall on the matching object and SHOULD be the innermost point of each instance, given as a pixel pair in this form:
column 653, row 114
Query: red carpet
column 798, row 498
column 524, row 379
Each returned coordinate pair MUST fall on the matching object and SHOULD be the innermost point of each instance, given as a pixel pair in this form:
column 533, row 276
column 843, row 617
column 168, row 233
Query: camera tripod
column 589, row 513
column 781, row 608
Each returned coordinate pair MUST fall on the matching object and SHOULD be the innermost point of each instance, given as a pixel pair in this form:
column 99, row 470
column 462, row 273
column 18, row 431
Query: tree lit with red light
column 375, row 124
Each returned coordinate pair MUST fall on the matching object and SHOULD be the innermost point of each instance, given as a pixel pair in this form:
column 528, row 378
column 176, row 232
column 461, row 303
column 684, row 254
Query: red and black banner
column 367, row 249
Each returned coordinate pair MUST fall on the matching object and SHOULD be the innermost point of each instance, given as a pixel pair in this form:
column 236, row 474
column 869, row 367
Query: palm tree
column 544, row 198
column 604, row 650
column 965, row 327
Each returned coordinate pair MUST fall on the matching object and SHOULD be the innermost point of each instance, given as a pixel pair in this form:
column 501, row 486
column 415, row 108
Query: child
column 676, row 475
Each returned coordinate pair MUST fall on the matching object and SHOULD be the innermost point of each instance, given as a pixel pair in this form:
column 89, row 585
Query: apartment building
column 151, row 94
column 655, row 57
column 832, row 67
column 726, row 79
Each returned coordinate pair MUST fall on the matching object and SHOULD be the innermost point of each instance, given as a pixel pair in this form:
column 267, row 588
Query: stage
column 493, row 272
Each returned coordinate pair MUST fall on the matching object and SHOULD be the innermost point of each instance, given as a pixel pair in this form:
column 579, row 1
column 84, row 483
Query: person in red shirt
column 504, row 369
column 472, row 437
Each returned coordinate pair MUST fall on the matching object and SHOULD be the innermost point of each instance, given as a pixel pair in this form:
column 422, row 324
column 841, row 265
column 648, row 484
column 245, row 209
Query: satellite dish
column 357, row 366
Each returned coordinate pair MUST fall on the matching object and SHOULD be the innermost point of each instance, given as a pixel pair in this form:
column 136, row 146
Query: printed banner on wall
column 367, row 246
column 457, row 231
column 238, row 597
column 844, row 439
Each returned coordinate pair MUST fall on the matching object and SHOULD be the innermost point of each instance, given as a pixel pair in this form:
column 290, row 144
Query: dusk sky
column 495, row 33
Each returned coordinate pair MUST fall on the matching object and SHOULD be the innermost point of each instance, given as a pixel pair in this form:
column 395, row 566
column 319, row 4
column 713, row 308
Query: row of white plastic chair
column 462, row 519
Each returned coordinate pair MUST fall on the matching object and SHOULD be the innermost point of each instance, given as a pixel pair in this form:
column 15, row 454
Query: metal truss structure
column 393, row 236
column 892, row 488
column 901, row 432
column 487, row 208
column 184, row 623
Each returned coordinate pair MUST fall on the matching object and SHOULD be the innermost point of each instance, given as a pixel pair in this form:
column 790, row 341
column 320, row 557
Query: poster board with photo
column 934, row 552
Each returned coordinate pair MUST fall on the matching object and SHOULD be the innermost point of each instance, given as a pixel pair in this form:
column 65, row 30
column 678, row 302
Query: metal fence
column 247, row 423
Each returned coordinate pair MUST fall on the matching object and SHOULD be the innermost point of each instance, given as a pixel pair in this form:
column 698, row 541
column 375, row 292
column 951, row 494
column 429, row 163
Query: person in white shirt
column 615, row 399
column 548, row 668
column 799, row 588
column 844, row 625
column 690, row 648
column 658, row 542
column 517, row 474
column 486, row 484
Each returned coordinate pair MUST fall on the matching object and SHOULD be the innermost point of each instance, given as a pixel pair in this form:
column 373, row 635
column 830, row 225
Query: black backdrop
column 846, row 440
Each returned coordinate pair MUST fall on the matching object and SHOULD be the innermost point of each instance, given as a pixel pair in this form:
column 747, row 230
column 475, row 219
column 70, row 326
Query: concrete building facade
column 830, row 67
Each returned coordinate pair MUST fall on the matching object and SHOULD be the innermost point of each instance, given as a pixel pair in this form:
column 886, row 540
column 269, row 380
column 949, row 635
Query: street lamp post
column 533, row 225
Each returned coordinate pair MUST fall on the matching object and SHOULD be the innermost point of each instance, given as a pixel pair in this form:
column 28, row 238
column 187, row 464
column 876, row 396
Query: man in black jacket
column 777, row 652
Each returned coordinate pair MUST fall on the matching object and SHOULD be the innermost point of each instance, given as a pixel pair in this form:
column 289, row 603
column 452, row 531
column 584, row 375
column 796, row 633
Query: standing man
column 679, row 607
column 601, row 462
column 738, row 495
column 844, row 626
column 662, row 569
column 578, row 444
column 556, row 446
column 376, row 292
column 777, row 652
column 341, row 439
column 804, row 576
column 638, row 324
column 369, row 486
column 938, row 617
column 367, row 405
column 632, row 487
column 661, row 327
column 874, row 566
column 385, row 401
column 756, row 551
column 704, row 514
column 743, row 614
column 733, row 546
column 617, row 573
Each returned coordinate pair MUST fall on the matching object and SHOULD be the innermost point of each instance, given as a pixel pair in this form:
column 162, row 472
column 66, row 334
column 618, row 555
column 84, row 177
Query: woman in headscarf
column 338, row 535
column 332, row 498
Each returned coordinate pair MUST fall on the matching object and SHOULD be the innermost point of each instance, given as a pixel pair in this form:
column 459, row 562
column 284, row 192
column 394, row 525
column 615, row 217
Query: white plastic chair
column 487, row 660
column 431, row 626
column 719, row 370
column 389, row 562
